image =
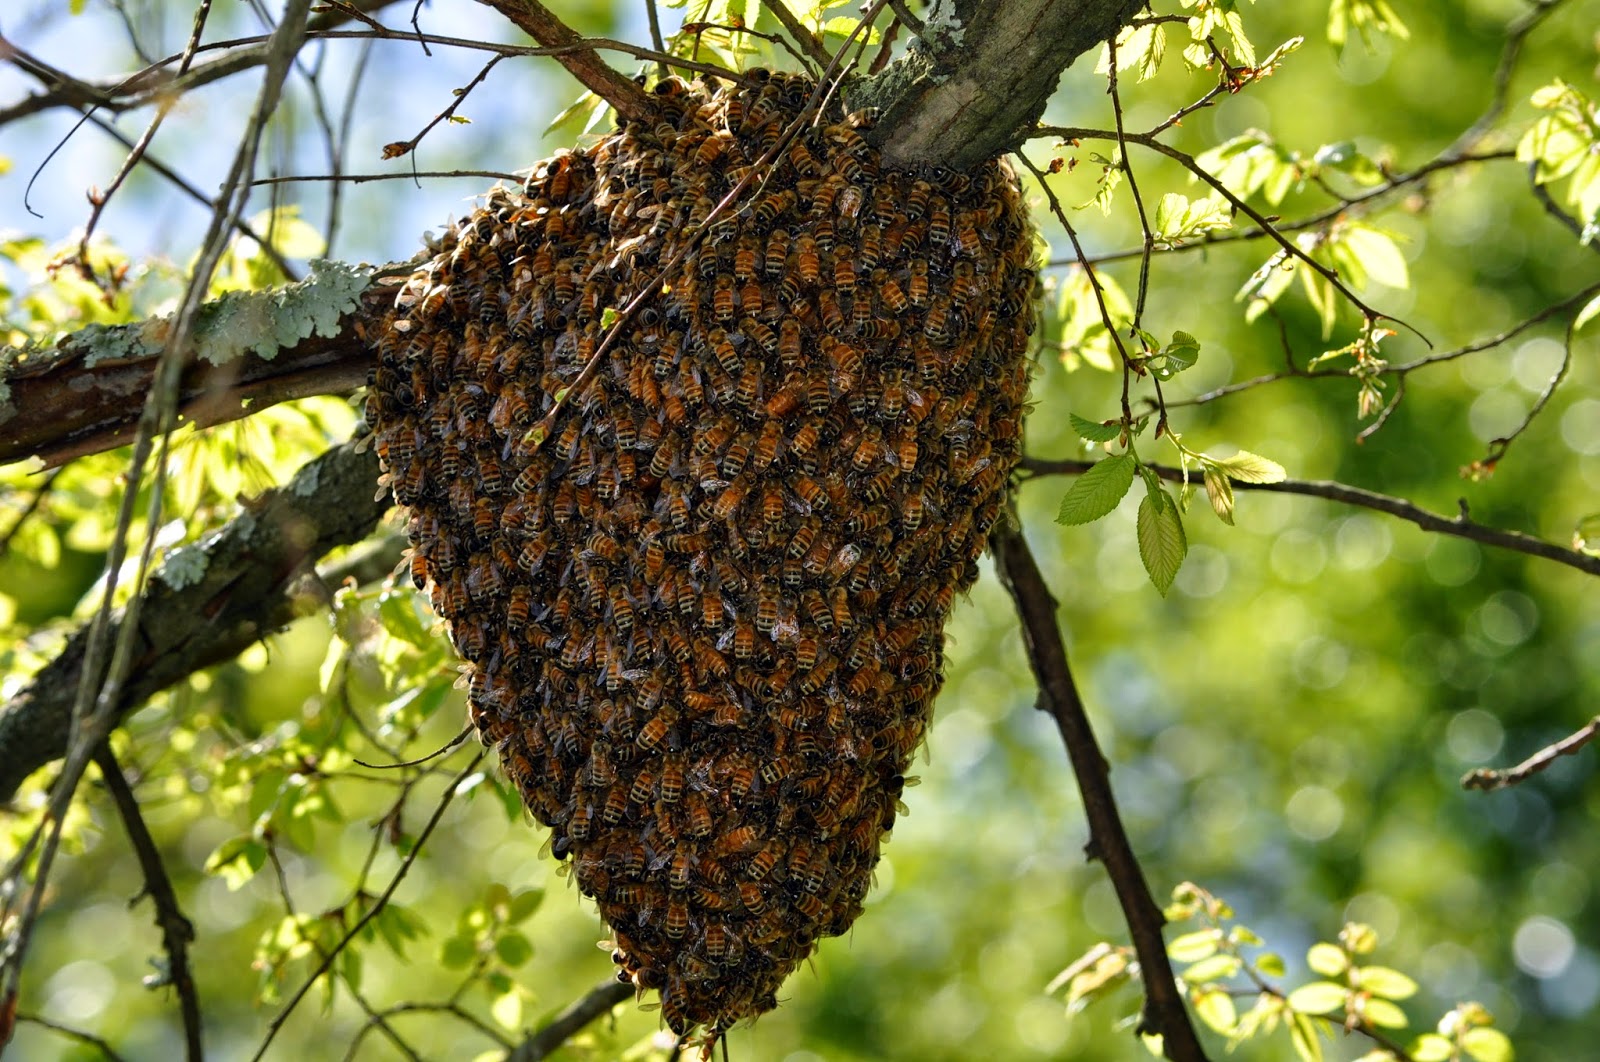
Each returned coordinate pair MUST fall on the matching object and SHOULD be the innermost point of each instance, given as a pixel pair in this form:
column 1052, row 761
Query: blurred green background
column 1287, row 728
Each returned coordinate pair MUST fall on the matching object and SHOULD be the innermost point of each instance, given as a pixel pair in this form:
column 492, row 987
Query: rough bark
column 240, row 587
column 981, row 75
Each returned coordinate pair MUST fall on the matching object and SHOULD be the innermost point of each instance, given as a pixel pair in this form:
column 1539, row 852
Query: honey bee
column 744, row 640
column 616, row 804
column 766, row 448
column 832, row 316
column 712, row 148
column 736, row 455
column 653, row 733
column 747, row 258
column 677, row 923
column 811, row 492
column 752, row 896
column 722, row 298
column 840, row 606
column 699, row 815
column 671, row 779
column 764, row 861
column 807, row 262
column 749, row 386
column 776, row 254
column 730, row 499
column 777, row 203
column 767, row 607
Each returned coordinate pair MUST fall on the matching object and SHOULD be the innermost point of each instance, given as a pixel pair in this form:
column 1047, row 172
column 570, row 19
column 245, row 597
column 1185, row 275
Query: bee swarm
column 704, row 617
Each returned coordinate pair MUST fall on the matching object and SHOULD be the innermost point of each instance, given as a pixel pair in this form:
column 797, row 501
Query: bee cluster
column 704, row 616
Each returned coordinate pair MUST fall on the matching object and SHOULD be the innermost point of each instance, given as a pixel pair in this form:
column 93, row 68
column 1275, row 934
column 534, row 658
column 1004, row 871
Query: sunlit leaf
column 1162, row 542
column 1192, row 947
column 1487, row 1045
column 1319, row 997
column 1390, row 984
column 1247, row 467
column 1216, row 1009
column 1384, row 1014
column 1098, row 490
column 1328, row 960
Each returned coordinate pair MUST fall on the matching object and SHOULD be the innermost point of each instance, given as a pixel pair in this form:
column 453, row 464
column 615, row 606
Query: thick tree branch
column 1458, row 526
column 85, row 395
column 977, row 82
column 537, row 21
column 1164, row 1010
column 565, row 1025
column 247, row 590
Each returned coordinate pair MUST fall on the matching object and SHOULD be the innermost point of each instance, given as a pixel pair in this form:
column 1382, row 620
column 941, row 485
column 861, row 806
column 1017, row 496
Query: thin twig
column 1164, row 1012
column 1489, row 778
column 1516, row 35
column 565, row 1025
column 177, row 932
column 656, row 40
column 28, row 509
column 803, row 37
column 70, row 1033
column 104, row 672
column 372, row 912
column 1457, row 526
column 1094, row 284
column 405, row 147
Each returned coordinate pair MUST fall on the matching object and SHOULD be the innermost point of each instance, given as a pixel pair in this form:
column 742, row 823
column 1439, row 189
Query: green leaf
column 1218, row 967
column 1094, row 431
column 523, row 904
column 237, row 860
column 458, row 953
column 1162, row 543
column 1390, row 984
column 1328, row 960
column 1219, row 491
column 1271, row 964
column 1247, row 467
column 513, row 949
column 1487, row 1045
column 1098, row 490
column 1431, row 1047
column 1382, row 1013
column 1377, row 254
column 1216, row 1010
column 1319, row 997
column 1303, row 1035
column 1192, row 947
column 1180, row 354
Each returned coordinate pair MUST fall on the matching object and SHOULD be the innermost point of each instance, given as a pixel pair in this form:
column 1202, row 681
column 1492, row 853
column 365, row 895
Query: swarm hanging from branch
column 702, row 588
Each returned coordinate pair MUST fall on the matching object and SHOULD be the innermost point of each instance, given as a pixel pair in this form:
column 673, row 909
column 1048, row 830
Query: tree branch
column 1487, row 778
column 538, row 22
column 1459, row 526
column 1164, row 1011
column 247, row 590
column 565, row 1025
column 970, row 90
column 177, row 932
column 84, row 396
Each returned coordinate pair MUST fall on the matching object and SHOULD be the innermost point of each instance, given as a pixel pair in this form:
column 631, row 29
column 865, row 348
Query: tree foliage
column 1331, row 264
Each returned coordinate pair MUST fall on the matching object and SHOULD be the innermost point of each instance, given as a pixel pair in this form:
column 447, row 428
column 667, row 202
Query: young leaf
column 1162, row 543
column 1390, row 984
column 1247, row 467
column 1093, row 430
column 1216, row 1010
column 1487, row 1045
column 1319, row 997
column 1328, row 960
column 1382, row 1013
column 1097, row 491
column 1220, row 493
